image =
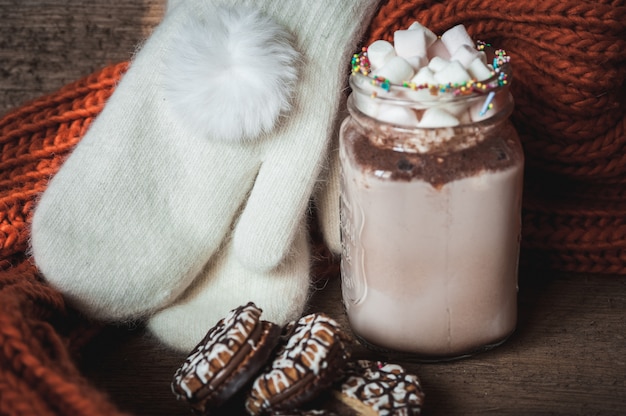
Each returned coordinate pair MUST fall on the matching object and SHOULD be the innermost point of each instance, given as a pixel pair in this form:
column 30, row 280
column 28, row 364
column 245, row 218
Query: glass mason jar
column 430, row 221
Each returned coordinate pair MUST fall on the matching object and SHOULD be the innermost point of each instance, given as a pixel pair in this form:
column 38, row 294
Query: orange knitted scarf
column 569, row 86
column 38, row 334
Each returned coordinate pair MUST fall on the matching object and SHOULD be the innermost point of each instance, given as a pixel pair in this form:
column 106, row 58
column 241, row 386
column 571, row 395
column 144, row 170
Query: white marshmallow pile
column 430, row 66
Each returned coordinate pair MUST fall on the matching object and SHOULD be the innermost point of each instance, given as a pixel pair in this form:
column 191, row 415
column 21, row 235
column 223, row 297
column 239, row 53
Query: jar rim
column 400, row 94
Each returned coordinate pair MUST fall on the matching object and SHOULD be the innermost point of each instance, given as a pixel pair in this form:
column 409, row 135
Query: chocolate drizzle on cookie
column 381, row 388
column 230, row 354
column 304, row 367
column 312, row 362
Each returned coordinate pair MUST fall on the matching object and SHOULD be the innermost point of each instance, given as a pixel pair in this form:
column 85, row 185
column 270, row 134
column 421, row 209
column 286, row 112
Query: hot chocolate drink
column 431, row 242
column 431, row 208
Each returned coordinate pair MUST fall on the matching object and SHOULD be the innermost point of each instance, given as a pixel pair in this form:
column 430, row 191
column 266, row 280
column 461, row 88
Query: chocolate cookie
column 227, row 358
column 376, row 388
column 296, row 412
column 311, row 360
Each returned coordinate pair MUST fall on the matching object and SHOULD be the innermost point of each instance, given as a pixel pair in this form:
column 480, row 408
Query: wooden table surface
column 567, row 357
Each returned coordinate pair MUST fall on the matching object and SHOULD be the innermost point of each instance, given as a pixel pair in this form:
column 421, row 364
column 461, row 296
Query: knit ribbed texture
column 569, row 61
column 38, row 335
column 34, row 141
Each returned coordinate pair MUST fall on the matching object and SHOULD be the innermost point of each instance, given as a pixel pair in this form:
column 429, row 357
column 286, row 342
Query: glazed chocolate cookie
column 376, row 388
column 296, row 412
column 227, row 358
column 311, row 360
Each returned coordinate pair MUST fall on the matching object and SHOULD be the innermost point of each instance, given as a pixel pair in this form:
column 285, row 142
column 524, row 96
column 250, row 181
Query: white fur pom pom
column 231, row 74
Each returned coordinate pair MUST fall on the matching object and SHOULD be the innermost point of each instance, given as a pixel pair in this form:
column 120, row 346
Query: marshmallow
column 428, row 34
column 364, row 85
column 465, row 117
column 436, row 117
column 397, row 115
column 460, row 110
column 363, row 98
column 424, row 76
column 410, row 43
column 479, row 70
column 438, row 63
column 396, row 70
column 366, row 105
column 438, row 49
column 453, row 73
column 379, row 52
column 456, row 37
column 466, row 54
column 417, row 62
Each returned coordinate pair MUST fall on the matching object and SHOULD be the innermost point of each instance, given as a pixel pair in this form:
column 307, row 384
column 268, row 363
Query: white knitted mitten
column 226, row 284
column 199, row 168
column 327, row 197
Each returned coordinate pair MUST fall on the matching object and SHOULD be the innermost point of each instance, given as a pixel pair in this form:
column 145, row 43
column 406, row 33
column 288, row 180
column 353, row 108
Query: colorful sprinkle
column 488, row 104
column 361, row 64
column 480, row 45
